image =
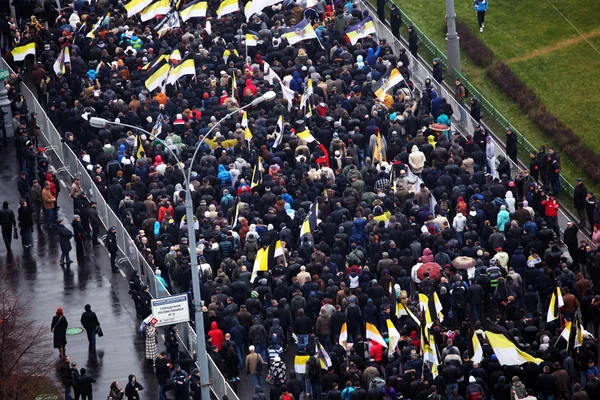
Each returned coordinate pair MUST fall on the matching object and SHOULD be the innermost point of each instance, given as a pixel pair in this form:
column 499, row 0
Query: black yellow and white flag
column 63, row 58
column 476, row 349
column 195, row 9
column 390, row 79
column 157, row 75
column 256, row 173
column 401, row 310
column 556, row 302
column 506, row 349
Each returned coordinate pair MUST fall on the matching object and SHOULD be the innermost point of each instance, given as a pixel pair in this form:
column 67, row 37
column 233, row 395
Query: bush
column 473, row 46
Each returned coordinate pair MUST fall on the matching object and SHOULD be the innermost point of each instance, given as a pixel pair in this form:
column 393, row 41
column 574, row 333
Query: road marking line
column 122, row 273
column 63, row 184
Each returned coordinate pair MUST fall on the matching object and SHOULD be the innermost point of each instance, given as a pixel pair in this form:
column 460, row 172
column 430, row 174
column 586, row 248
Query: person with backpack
column 258, row 393
column 313, row 373
column 254, row 367
column 460, row 94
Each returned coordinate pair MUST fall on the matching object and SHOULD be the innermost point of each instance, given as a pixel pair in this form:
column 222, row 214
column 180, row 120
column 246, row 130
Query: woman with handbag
column 58, row 327
column 116, row 393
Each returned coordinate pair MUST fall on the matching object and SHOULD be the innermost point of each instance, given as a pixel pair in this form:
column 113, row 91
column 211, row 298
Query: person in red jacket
column 216, row 335
column 376, row 351
column 551, row 207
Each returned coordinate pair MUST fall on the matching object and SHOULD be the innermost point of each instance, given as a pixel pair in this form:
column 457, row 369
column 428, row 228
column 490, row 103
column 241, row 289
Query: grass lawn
column 543, row 49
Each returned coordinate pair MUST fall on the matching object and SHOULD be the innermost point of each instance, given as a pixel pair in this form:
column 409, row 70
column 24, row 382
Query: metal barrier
column 73, row 166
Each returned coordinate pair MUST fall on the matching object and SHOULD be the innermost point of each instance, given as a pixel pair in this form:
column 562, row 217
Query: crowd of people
column 366, row 204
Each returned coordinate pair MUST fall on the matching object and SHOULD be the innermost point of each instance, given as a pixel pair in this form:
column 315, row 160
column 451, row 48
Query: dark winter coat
column 65, row 236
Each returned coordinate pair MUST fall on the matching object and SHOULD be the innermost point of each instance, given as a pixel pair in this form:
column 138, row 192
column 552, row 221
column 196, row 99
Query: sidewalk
column 37, row 275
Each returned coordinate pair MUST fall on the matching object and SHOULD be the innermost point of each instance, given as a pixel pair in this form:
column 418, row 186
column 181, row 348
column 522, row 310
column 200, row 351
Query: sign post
column 170, row 310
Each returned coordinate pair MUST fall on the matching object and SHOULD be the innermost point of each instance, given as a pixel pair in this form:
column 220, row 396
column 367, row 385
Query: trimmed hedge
column 510, row 83
column 470, row 43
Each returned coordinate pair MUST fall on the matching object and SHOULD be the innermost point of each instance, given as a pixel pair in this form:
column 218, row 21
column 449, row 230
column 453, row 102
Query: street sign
column 171, row 310
column 4, row 73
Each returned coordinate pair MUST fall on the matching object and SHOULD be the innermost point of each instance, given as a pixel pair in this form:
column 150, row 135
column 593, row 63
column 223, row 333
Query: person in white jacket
column 510, row 202
column 416, row 160
column 490, row 154
column 458, row 224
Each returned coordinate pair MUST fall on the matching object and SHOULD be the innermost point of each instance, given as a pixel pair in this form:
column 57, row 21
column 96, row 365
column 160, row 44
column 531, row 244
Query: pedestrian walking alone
column 65, row 236
column 58, row 327
column 26, row 224
column 8, row 223
column 111, row 244
column 90, row 322
column 480, row 7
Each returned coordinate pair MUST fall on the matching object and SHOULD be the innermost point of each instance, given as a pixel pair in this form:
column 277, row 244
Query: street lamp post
column 201, row 354
column 452, row 40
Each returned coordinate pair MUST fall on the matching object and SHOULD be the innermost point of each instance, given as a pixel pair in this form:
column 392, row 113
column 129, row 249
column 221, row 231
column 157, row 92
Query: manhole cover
column 47, row 396
column 73, row 331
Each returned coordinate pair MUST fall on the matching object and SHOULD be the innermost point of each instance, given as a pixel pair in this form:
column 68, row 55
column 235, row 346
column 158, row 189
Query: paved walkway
column 37, row 275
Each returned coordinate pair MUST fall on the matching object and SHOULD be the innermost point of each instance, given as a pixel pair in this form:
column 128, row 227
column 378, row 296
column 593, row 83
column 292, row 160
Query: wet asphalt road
column 36, row 274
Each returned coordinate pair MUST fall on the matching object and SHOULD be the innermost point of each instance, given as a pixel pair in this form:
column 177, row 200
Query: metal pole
column 452, row 40
column 202, row 358
column 201, row 353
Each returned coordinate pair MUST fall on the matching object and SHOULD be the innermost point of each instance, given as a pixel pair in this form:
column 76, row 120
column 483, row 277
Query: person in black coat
column 395, row 20
column 95, row 222
column 163, row 371
column 511, row 145
column 7, row 222
column 58, row 327
column 26, row 224
column 65, row 236
column 294, row 385
column 579, row 201
column 438, row 72
column 413, row 41
column 79, row 235
column 381, row 9
column 84, row 384
column 90, row 322
column 476, row 110
column 111, row 244
column 133, row 388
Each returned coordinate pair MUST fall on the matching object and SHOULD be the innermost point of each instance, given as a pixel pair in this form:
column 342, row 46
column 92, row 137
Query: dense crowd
column 372, row 208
